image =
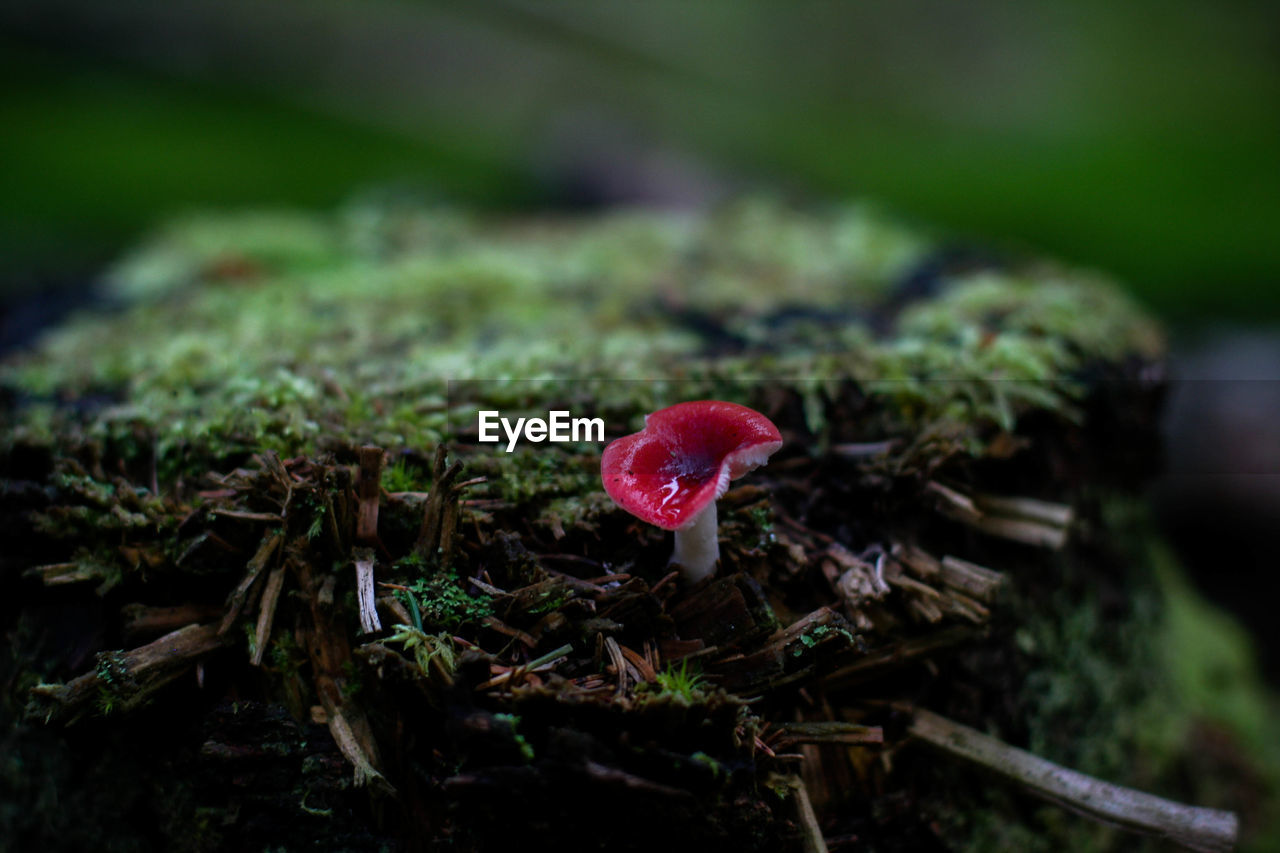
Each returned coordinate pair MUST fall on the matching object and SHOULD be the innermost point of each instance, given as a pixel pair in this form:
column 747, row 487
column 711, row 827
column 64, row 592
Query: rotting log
column 548, row 678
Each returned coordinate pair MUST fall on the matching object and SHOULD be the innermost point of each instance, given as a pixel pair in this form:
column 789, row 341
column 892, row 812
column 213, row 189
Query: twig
column 267, row 613
column 435, row 534
column 1190, row 826
column 495, row 624
column 128, row 678
column 1020, row 519
column 364, row 559
column 244, row 515
column 257, row 563
column 641, row 666
column 368, row 492
column 865, row 449
column 809, row 828
column 544, row 662
column 1024, row 531
column 143, row 620
column 977, row 581
column 1057, row 515
column 669, row 576
column 955, row 504
column 349, row 744
column 619, row 664
column 828, row 732
column 56, row 574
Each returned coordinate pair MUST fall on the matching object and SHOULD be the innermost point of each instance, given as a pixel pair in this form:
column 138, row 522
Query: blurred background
column 1138, row 137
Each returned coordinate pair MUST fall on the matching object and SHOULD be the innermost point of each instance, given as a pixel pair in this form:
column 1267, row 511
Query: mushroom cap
column 684, row 458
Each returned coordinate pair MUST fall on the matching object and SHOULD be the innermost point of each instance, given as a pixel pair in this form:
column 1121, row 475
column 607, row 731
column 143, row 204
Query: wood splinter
column 368, row 492
column 439, row 516
column 1025, row 520
column 1189, row 826
column 810, row 830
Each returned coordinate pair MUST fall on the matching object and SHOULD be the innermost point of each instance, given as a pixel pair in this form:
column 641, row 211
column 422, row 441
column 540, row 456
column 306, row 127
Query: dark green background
column 1139, row 137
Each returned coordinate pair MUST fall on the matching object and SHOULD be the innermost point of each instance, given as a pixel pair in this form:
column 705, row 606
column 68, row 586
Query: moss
column 440, row 598
column 682, row 683
column 289, row 332
column 512, row 724
column 1215, row 680
column 404, row 476
column 1123, row 692
column 811, row 638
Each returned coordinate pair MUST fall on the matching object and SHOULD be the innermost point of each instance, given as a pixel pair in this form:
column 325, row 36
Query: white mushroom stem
column 697, row 547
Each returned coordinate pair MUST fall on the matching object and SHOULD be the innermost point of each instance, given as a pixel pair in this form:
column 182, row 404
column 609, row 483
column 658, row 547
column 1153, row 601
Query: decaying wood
column 954, row 504
column 788, row 655
column 618, row 664
column 533, row 679
column 918, row 561
column 896, row 655
column 613, row 777
column 643, row 667
column 933, row 588
column 330, row 654
column 856, row 580
column 123, row 681
column 866, row 449
column 368, row 495
column 828, row 732
column 512, row 675
column 59, row 574
column 242, row 515
column 433, row 537
column 729, row 609
column 354, row 747
column 970, row 578
column 1046, row 512
column 514, row 633
column 1190, row 826
column 1023, row 520
column 142, row 620
column 1023, row 530
column 365, row 599
column 257, row 563
column 267, row 613
column 811, row 831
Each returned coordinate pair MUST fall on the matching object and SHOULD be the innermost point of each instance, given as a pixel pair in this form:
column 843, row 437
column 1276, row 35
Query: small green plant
column 810, row 639
column 106, row 701
column 433, row 653
column 513, row 721
column 681, row 681
column 762, row 519
column 401, row 477
column 441, row 600
column 317, row 523
column 286, row 656
column 113, row 673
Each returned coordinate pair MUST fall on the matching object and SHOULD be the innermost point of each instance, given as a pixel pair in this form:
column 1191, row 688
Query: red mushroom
column 672, row 472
